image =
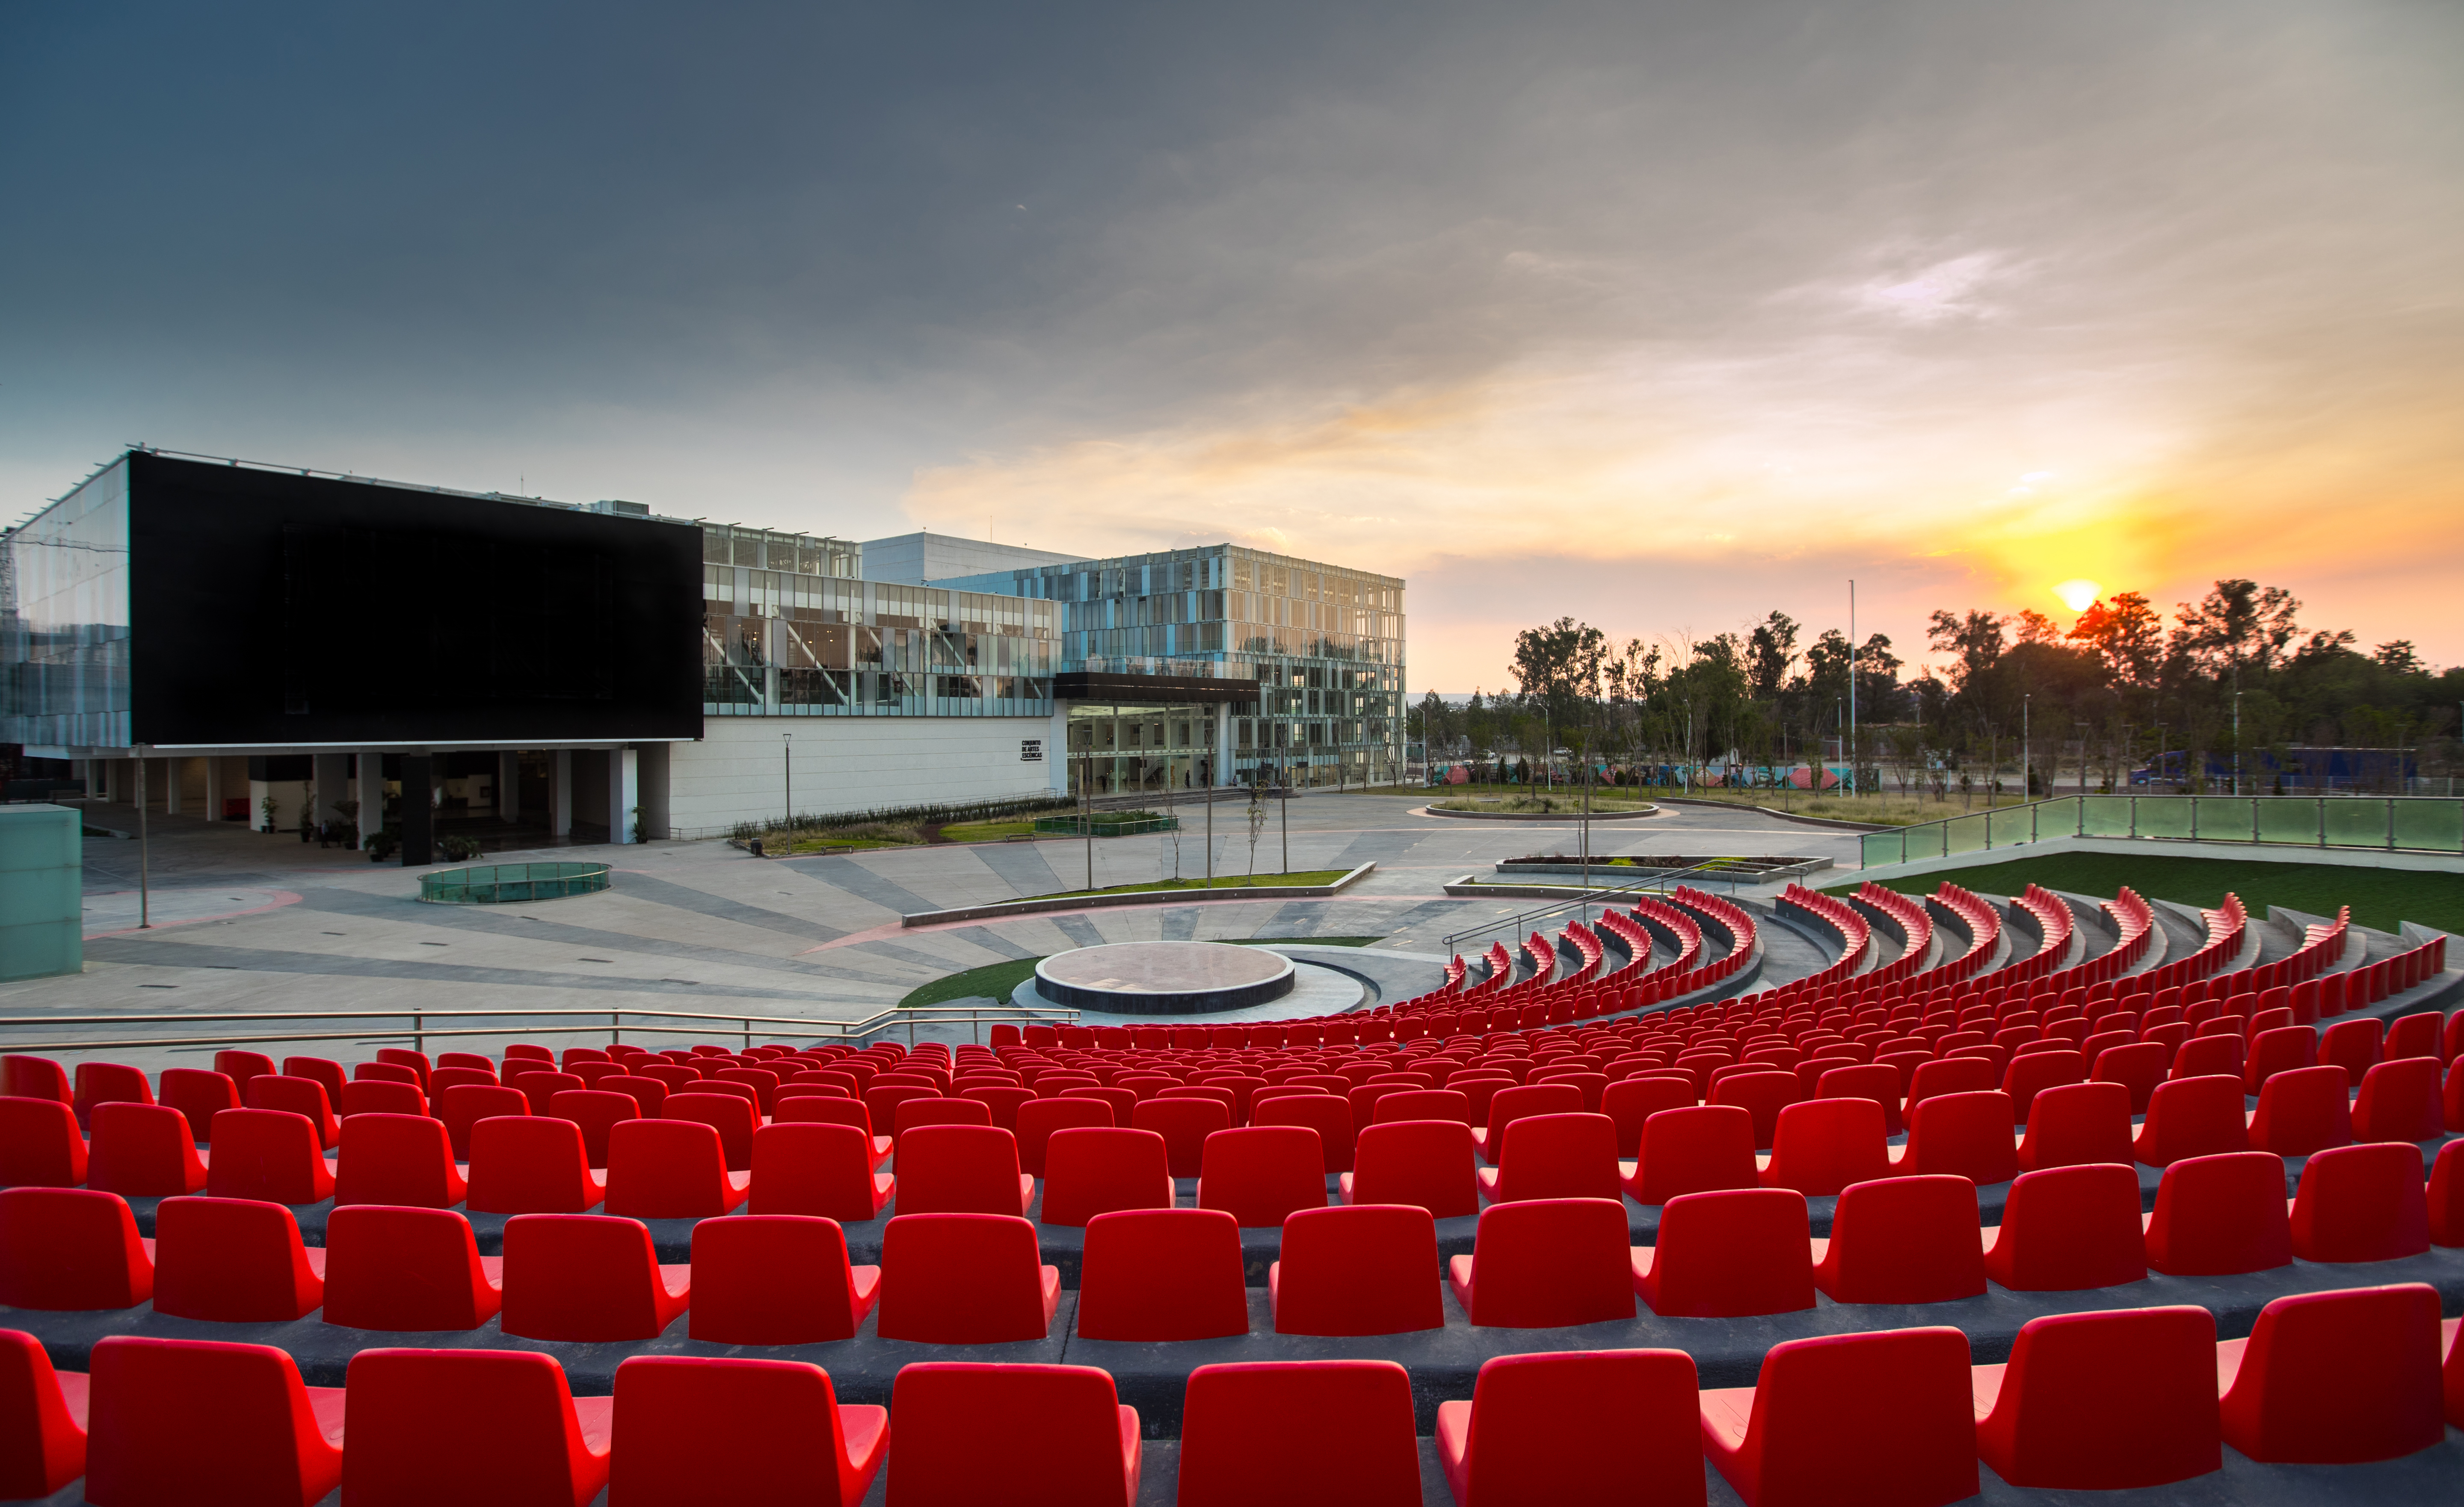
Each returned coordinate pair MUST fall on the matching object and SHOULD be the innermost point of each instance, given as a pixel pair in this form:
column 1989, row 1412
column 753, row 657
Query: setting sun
column 2079, row 595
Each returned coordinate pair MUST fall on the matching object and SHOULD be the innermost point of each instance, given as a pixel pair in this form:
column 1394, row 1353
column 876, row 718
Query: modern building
column 286, row 648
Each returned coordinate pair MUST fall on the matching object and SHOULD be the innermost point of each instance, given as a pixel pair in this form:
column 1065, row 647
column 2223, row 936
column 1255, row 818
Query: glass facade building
column 1323, row 643
column 789, row 628
column 64, row 620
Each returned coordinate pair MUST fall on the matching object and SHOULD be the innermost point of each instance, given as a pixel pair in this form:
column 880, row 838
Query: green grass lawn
column 987, row 831
column 1000, row 979
column 2380, row 897
column 1306, row 876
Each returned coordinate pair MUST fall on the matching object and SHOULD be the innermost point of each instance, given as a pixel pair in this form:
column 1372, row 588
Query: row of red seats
column 1552, row 1252
column 2095, row 1401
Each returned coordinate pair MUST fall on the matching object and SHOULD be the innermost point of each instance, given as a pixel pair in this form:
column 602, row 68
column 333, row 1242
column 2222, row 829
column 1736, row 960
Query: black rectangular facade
column 268, row 608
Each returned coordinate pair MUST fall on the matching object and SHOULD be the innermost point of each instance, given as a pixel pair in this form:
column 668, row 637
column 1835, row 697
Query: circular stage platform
column 1165, row 978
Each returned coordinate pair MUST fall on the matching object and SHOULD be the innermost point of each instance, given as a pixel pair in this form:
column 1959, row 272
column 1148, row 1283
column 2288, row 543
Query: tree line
column 2231, row 682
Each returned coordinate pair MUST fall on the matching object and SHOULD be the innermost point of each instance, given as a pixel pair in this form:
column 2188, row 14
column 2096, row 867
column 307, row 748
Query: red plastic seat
column 1964, row 1134
column 1423, row 1103
column 323, row 1070
column 397, row 1159
column 1260, row 1174
column 2399, row 1101
column 1761, row 1094
column 462, row 1105
column 2075, row 1124
column 964, row 1279
column 669, row 1170
column 169, row 1416
column 1038, row 1118
column 1324, row 1430
column 1089, row 1171
column 1729, row 1254
column 596, row 1111
column 1428, row 1163
column 108, row 1084
column 42, row 1420
column 2103, row 1401
column 2199, row 1116
column 1578, row 1426
column 587, row 1277
column 2219, row 1216
column 1902, row 1241
column 1632, row 1101
column 408, row 1269
column 2352, row 1046
column 66, row 1250
column 40, row 1145
column 2281, row 1049
column 2301, row 1110
column 1875, row 1080
column 778, row 1424
column 300, row 1095
column 2445, row 1199
column 270, row 1155
column 142, row 1151
column 236, row 1260
column 199, row 1095
column 1330, row 1115
column 960, row 1168
column 1570, row 1155
column 1547, row 1264
column 1694, row 1151
column 22, row 1077
column 649, row 1096
column 1161, row 1276
column 529, row 1165
column 2218, row 1055
column 2033, row 1071
column 1184, row 1124
column 2068, row 1229
column 836, row 1111
column 915, row 1113
column 2336, row 1378
column 777, row 1279
column 972, row 1434
column 2138, row 1067
column 1510, row 1105
column 1950, row 1075
column 1356, row 1268
column 1824, row 1145
column 1887, row 1417
column 506, row 1413
column 239, row 1066
column 2362, row 1203
column 819, row 1170
column 381, row 1097
column 732, row 1117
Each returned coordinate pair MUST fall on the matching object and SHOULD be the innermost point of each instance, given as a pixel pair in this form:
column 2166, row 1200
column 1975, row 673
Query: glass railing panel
column 2434, row 824
column 2164, row 816
column 1886, row 847
column 1965, row 834
column 2357, row 821
column 2104, row 816
column 2291, row 820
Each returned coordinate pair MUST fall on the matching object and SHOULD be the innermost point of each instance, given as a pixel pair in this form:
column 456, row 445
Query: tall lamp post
column 787, row 791
column 1852, row 688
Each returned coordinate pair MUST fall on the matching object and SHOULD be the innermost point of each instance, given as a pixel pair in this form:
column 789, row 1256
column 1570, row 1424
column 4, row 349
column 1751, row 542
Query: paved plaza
column 247, row 923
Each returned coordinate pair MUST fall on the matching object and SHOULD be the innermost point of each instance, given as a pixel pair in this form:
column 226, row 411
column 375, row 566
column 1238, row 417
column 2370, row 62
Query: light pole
column 2027, row 769
column 787, row 790
column 2236, row 742
column 1852, row 688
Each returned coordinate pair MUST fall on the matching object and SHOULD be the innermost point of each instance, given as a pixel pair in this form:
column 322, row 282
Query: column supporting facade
column 332, row 787
column 370, row 786
column 1222, row 743
column 508, row 784
column 560, row 794
column 172, row 769
column 624, row 793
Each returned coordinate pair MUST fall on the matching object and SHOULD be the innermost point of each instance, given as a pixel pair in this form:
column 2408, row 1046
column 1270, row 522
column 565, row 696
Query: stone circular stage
column 1165, row 978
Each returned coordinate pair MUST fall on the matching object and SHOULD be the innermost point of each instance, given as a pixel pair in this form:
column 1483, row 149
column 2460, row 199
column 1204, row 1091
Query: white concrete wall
column 849, row 764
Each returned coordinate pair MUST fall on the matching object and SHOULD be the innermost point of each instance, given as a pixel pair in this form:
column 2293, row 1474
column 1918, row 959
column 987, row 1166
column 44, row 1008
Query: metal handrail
column 615, row 1024
column 1659, row 882
column 2072, row 817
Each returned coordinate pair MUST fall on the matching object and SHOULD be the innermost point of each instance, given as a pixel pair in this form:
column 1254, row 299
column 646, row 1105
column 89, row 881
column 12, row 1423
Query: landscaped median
column 1308, row 884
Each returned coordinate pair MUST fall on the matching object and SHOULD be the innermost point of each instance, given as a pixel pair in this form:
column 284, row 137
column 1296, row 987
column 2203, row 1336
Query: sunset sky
column 1656, row 315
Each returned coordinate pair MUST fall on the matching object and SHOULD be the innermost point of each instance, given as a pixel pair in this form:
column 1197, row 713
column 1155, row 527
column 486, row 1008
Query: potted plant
column 270, row 806
column 380, row 845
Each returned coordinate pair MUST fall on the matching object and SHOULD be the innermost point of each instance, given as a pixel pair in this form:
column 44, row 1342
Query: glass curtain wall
column 64, row 630
column 1325, row 644
column 1129, row 746
column 787, row 630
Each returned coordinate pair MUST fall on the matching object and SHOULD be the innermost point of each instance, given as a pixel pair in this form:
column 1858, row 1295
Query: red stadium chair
column 462, row 1105
column 2201, row 1116
column 671, row 1169
column 507, row 1410
column 1729, row 1255
column 1576, row 1426
column 587, row 1277
column 1333, row 1430
column 2077, row 1123
column 1762, row 1095
column 1359, row 1269
column 819, row 1170
column 836, row 1111
column 960, row 1169
column 408, row 1269
column 528, row 1164
column 233, row 1261
column 108, row 1084
column 971, row 1433
column 596, row 1111
column 777, row 1279
column 780, row 1427
column 1882, row 1417
column 1696, row 1151
column 1964, row 1134
column 1161, row 1275
column 2362, row 1203
column 1902, row 1241
column 142, row 1151
column 964, row 1279
column 1184, row 1124
column 2446, row 1198
column 1824, row 1145
column 2069, row 1229
column 732, row 1117
column 168, row 1416
column 1570, row 1155
column 269, row 1155
column 397, row 1159
column 1547, row 1264
column 2219, row 1216
column 2399, row 1101
column 68, row 1249
column 2336, row 1378
column 1428, row 1163
column 199, row 1095
column 1632, row 1101
column 2103, row 1401
column 2301, row 1110
column 2138, row 1067
column 39, row 1145
column 1262, row 1174
column 1089, row 1171
column 42, row 1420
